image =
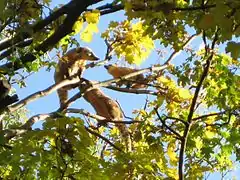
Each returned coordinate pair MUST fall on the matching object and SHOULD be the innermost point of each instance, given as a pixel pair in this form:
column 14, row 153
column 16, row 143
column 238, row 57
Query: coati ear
column 78, row 50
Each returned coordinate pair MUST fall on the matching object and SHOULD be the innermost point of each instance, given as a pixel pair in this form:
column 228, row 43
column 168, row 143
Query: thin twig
column 178, row 136
column 208, row 115
column 103, row 138
column 177, row 52
column 177, row 119
column 134, row 91
column 123, row 111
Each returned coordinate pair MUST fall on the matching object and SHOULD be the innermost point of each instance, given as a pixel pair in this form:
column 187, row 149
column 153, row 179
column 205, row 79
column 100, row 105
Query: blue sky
column 43, row 79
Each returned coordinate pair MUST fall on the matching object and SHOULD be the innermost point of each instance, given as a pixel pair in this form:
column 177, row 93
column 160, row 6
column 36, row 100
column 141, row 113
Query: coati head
column 86, row 54
column 80, row 53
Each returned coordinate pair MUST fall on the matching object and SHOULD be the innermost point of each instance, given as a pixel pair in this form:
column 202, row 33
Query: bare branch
column 134, row 91
column 112, row 9
column 37, row 118
column 42, row 93
column 124, row 112
column 12, row 49
column 208, row 115
column 177, row 52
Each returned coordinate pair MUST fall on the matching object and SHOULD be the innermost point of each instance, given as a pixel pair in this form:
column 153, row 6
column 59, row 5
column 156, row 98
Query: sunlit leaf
column 184, row 93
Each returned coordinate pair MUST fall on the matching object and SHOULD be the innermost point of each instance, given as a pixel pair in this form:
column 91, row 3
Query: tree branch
column 74, row 6
column 209, row 115
column 134, row 91
column 42, row 93
column 12, row 49
column 103, row 138
column 178, row 136
column 177, row 119
column 97, row 117
column 176, row 52
column 192, row 107
column 74, row 9
column 108, row 82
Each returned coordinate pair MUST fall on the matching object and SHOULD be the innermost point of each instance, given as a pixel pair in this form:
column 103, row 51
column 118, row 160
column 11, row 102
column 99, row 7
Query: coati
column 133, row 82
column 106, row 107
column 72, row 63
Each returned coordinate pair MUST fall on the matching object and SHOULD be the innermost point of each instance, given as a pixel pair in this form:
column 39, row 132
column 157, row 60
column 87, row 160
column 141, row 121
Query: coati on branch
column 72, row 63
column 106, row 107
column 133, row 82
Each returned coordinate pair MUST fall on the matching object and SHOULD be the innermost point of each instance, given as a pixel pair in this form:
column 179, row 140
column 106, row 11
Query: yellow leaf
column 77, row 26
column 209, row 133
column 92, row 28
column 171, row 153
column 92, row 17
column 107, row 153
column 198, row 143
column 143, row 112
column 184, row 93
column 162, row 80
column 131, row 42
column 172, row 172
column 210, row 120
column 87, row 34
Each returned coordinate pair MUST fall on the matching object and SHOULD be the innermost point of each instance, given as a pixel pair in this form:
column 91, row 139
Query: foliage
column 129, row 41
column 189, row 128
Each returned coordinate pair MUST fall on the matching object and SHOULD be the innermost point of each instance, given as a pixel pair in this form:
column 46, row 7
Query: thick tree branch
column 12, row 49
column 37, row 27
column 112, row 9
column 75, row 8
column 10, row 133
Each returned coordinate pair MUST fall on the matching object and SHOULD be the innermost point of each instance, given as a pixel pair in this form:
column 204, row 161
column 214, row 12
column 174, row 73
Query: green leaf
column 2, row 7
column 234, row 49
column 206, row 21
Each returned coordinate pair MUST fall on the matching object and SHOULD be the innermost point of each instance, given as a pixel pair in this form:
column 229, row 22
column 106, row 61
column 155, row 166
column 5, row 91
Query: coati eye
column 89, row 54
